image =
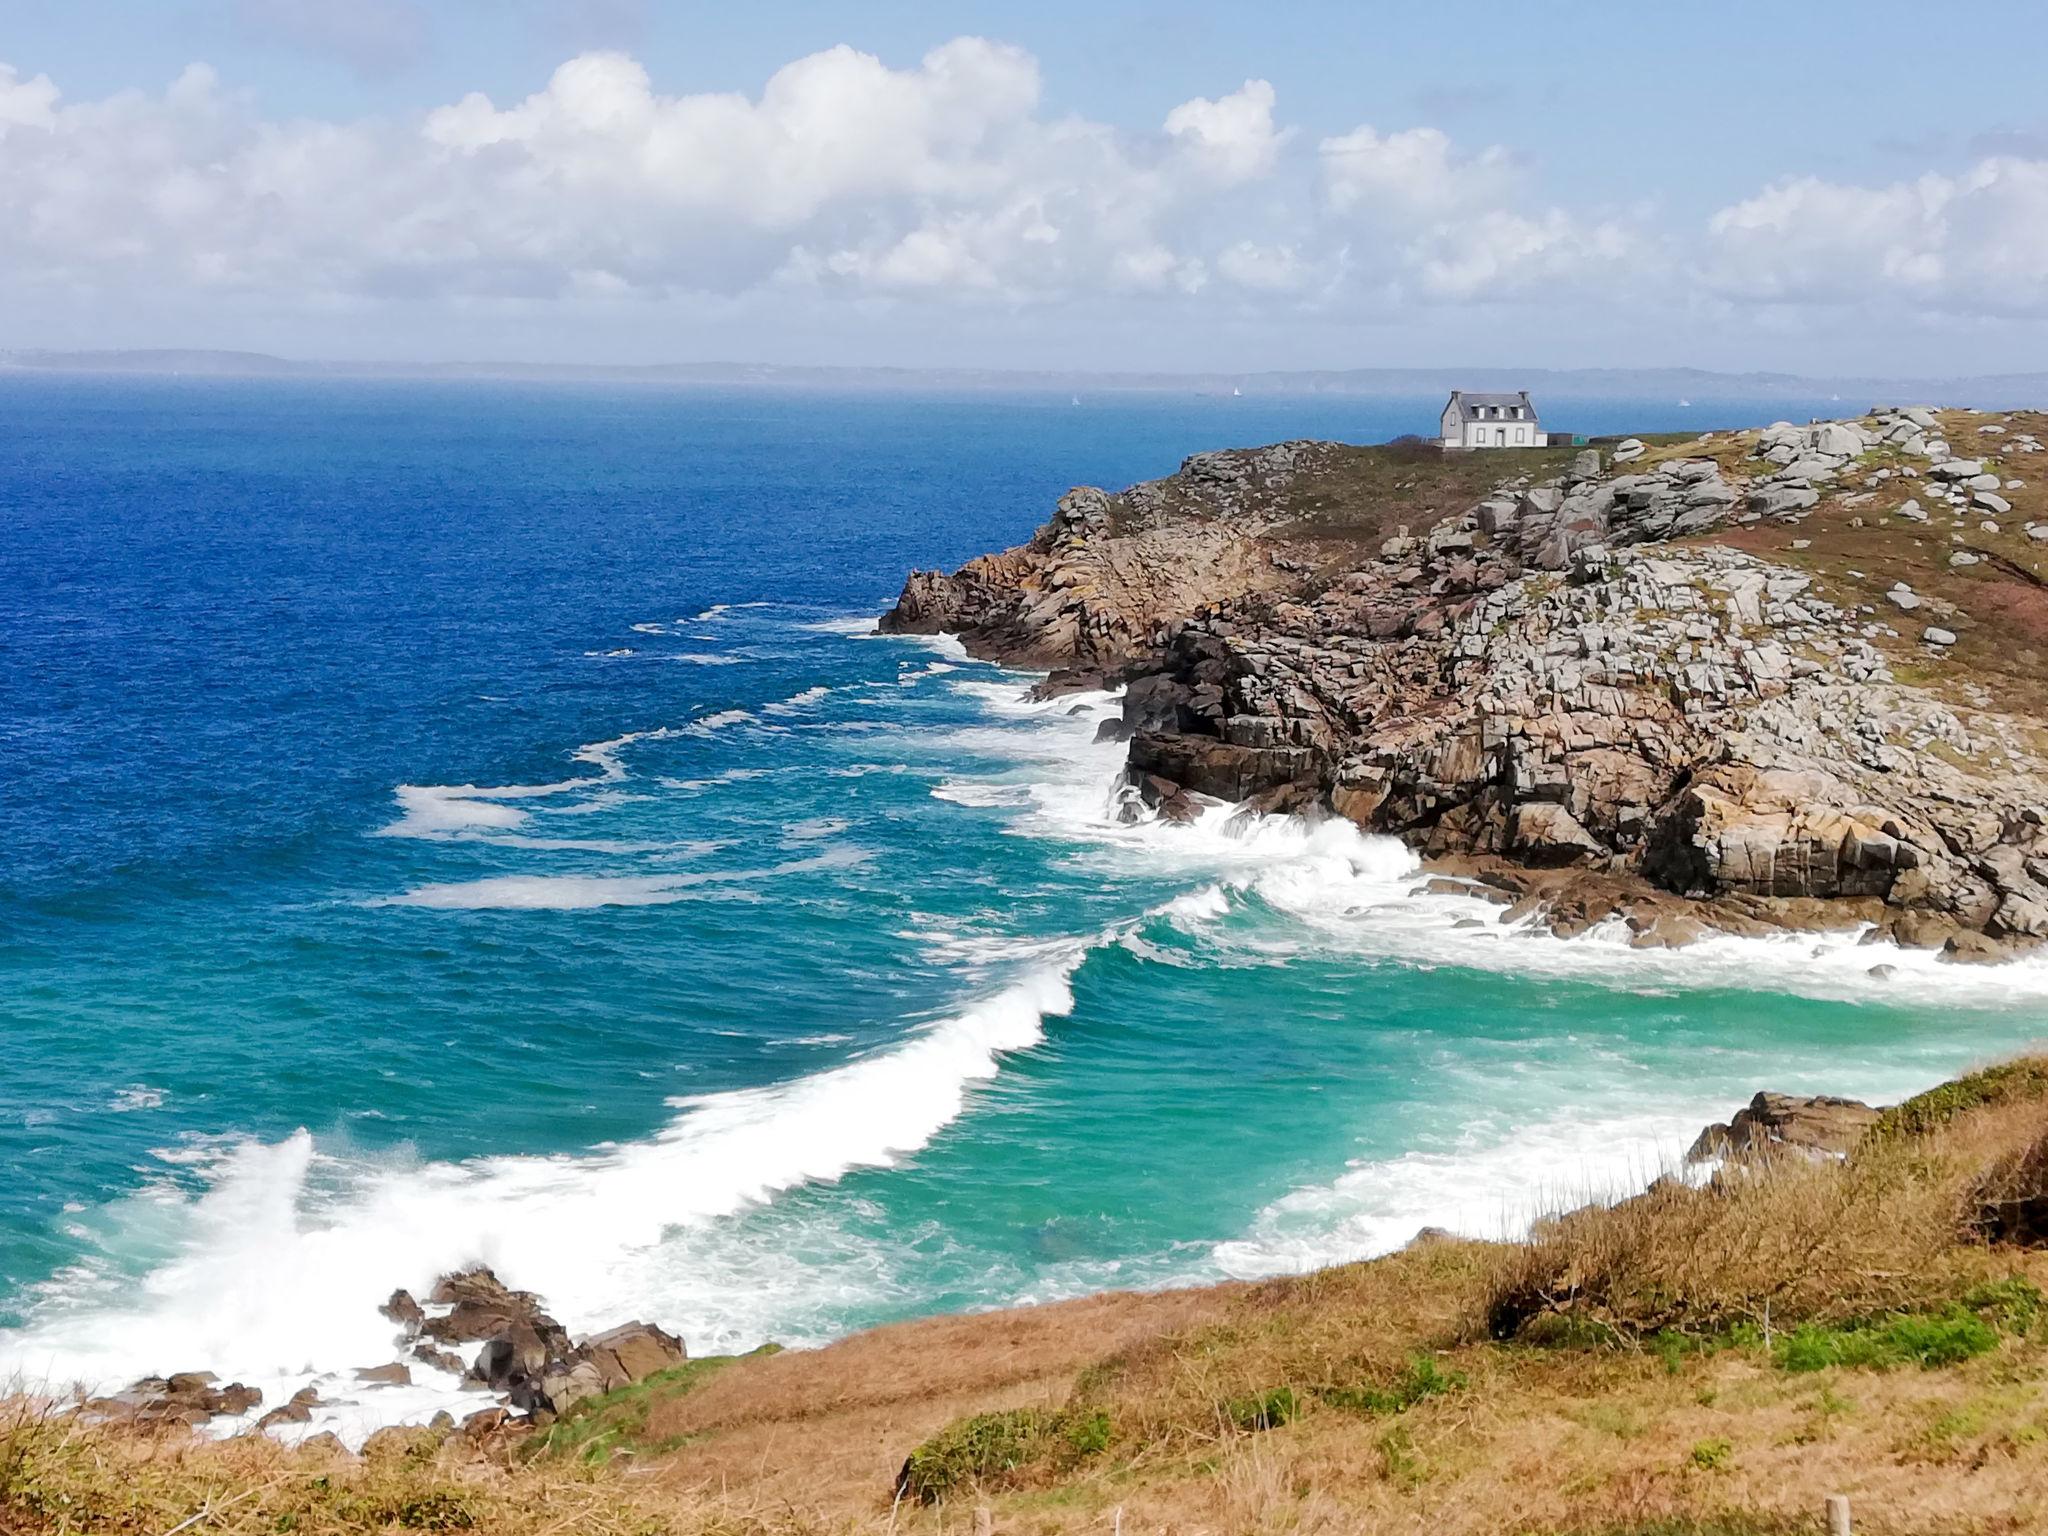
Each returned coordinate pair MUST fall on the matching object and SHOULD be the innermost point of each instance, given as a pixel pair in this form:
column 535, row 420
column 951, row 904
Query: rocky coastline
column 471, row 1327
column 1747, row 682
column 502, row 1342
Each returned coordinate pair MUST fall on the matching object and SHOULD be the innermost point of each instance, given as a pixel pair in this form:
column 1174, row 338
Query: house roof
column 1466, row 402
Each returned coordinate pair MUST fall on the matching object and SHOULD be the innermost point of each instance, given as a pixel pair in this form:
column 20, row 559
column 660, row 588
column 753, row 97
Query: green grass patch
column 1423, row 1378
column 1928, row 1340
column 1265, row 1410
column 2011, row 1082
column 999, row 1447
column 1711, row 1455
column 599, row 1428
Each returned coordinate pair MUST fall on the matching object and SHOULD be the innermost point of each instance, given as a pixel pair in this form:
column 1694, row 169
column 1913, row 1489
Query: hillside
column 1791, row 677
column 1710, row 1359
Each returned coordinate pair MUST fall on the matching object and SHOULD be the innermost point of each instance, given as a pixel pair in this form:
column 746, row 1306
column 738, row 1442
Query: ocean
column 451, row 823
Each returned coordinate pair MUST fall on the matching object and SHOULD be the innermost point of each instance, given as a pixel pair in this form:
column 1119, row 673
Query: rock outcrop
column 1597, row 670
column 471, row 1325
column 1778, row 1122
column 190, row 1398
column 524, row 1354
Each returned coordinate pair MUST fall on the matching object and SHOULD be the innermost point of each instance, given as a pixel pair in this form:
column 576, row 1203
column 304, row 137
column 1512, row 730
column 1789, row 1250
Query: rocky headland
column 1788, row 677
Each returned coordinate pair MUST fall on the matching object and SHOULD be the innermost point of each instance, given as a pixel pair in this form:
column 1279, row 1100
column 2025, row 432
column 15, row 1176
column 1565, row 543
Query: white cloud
column 854, row 186
column 1451, row 223
column 1412, row 176
column 1500, row 254
column 26, row 103
column 1232, row 139
column 1972, row 242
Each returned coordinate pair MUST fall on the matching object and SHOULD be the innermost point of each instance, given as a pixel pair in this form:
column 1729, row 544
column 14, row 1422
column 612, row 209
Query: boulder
column 632, row 1352
column 1817, row 1125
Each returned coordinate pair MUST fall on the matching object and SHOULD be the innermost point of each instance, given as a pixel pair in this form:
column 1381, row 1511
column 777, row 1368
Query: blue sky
column 1826, row 187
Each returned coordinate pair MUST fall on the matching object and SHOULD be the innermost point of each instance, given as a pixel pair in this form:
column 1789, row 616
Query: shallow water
column 453, row 824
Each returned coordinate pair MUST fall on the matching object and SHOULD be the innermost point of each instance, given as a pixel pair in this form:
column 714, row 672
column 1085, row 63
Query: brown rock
column 633, row 1352
column 1779, row 1121
column 392, row 1375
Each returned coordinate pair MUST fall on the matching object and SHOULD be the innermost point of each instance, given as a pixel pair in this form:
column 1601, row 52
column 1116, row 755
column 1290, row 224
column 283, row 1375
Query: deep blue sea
column 450, row 823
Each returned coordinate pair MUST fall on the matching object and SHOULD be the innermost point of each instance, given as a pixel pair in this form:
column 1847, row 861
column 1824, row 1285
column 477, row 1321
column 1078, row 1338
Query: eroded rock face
column 1777, row 1122
column 1561, row 675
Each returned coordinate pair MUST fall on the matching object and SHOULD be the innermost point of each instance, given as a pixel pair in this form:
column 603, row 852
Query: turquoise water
column 478, row 824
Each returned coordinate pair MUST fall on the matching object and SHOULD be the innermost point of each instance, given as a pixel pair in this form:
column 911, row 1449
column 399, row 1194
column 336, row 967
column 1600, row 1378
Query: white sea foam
column 1477, row 1182
column 289, row 1250
column 796, row 701
column 718, row 720
column 548, row 893
column 1360, row 894
column 575, row 893
column 136, row 1096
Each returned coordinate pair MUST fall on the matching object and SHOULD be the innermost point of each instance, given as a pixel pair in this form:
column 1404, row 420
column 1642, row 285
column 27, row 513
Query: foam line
column 289, row 1251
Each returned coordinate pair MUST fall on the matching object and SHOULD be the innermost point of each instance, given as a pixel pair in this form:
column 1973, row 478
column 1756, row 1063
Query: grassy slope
column 1685, row 1362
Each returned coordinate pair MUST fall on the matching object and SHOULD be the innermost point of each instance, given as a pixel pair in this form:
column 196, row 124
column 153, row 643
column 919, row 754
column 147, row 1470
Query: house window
column 1521, row 434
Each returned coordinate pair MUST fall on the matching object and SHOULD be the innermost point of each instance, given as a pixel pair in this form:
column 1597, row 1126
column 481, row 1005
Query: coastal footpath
column 1794, row 677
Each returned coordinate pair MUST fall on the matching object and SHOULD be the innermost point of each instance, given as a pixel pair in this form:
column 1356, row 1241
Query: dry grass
column 1672, row 1367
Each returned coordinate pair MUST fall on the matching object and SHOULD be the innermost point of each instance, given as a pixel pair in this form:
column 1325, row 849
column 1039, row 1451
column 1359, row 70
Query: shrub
column 1784, row 1241
column 1948, row 1337
column 1712, row 1455
column 2009, row 1082
column 995, row 1447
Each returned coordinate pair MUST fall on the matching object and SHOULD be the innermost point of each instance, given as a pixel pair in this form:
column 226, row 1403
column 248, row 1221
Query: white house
column 1491, row 421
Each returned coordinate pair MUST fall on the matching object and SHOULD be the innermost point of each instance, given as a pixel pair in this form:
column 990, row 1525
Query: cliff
column 1788, row 677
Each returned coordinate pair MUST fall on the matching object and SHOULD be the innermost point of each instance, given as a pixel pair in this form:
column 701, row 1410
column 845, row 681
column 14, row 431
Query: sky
column 1824, row 188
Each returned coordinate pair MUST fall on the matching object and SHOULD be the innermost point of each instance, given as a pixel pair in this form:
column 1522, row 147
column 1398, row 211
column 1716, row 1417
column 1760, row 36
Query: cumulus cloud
column 1973, row 241
column 943, row 180
column 1232, row 138
column 1455, row 221
column 1409, row 176
column 26, row 103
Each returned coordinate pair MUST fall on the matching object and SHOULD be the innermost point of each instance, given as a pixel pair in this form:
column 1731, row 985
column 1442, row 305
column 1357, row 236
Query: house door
column 1500, row 437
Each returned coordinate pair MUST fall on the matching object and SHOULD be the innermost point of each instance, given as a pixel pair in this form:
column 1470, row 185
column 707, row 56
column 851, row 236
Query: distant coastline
column 1684, row 384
